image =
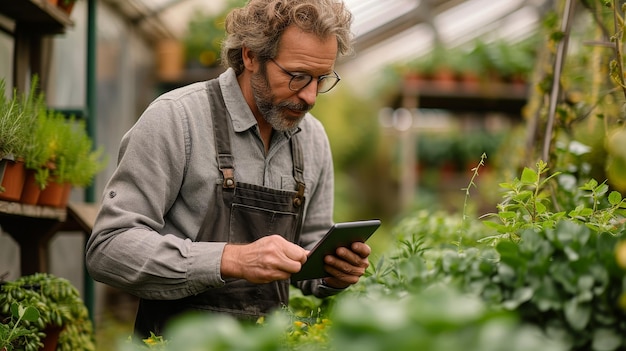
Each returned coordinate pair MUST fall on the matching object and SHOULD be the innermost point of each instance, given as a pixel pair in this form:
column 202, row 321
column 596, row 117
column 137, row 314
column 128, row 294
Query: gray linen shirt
column 154, row 203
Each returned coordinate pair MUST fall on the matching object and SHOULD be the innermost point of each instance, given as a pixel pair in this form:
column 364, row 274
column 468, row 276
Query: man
column 222, row 186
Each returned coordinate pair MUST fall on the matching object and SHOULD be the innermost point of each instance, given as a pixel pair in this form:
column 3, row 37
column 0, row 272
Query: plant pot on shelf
column 55, row 195
column 12, row 176
column 31, row 190
column 66, row 6
column 170, row 59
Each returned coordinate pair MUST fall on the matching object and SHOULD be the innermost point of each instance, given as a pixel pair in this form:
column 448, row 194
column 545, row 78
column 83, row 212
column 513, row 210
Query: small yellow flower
column 620, row 254
column 622, row 302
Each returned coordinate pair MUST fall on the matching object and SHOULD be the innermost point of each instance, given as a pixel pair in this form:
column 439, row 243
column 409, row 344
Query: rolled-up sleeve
column 133, row 246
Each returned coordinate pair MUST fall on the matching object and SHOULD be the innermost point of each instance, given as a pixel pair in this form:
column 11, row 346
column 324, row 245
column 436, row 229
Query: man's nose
column 309, row 93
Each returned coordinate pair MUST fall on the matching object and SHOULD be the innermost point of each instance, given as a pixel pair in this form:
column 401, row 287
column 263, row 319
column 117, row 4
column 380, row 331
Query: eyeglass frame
column 319, row 78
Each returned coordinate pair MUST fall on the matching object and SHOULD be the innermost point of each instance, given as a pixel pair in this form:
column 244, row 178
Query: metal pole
column 91, row 102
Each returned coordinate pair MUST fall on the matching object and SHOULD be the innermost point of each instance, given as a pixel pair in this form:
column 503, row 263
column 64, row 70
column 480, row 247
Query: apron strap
column 221, row 129
column 225, row 160
column 298, row 170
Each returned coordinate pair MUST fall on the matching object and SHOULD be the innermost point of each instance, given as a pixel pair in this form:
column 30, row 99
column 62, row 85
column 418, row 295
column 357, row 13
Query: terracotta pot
column 67, row 7
column 55, row 195
column 52, row 338
column 170, row 59
column 12, row 176
column 32, row 190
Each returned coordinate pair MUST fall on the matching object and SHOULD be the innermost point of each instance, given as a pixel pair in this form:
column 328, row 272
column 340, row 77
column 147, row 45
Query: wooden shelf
column 17, row 209
column 459, row 96
column 36, row 16
column 32, row 227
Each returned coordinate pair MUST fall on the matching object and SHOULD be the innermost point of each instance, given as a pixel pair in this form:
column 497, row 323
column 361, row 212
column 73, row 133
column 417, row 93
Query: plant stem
column 556, row 80
column 481, row 163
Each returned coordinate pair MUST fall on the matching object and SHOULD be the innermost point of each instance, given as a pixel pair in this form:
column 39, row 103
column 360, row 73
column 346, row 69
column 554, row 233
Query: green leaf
column 601, row 189
column 529, row 176
column 585, row 282
column 541, row 208
column 499, row 227
column 590, row 185
column 571, row 254
column 31, row 314
column 606, row 340
column 546, row 296
column 526, row 194
column 507, row 214
column 509, row 252
column 615, row 198
column 576, row 314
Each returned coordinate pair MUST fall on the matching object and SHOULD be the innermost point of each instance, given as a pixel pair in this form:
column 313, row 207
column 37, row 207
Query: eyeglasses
column 300, row 81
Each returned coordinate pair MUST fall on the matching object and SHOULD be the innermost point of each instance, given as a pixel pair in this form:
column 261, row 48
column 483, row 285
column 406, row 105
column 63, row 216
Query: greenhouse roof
column 385, row 31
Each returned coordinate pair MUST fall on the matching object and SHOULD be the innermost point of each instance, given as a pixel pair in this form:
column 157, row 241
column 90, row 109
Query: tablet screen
column 340, row 234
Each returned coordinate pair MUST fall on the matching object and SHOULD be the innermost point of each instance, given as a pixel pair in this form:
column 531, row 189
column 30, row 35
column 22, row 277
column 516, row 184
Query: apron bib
column 243, row 213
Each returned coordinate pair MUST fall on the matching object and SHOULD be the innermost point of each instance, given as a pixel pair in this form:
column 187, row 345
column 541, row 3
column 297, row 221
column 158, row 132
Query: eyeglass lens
column 300, row 81
column 324, row 83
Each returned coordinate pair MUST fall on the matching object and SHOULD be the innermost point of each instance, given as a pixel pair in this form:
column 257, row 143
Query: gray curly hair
column 260, row 24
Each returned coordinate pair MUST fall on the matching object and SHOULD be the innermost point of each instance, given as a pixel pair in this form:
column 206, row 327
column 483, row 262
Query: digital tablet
column 340, row 234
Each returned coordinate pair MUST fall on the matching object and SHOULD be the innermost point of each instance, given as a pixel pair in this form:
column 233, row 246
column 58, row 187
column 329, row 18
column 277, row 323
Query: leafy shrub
column 536, row 276
column 59, row 305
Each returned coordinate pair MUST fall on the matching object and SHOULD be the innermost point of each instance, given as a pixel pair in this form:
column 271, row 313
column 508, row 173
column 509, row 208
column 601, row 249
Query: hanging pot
column 52, row 338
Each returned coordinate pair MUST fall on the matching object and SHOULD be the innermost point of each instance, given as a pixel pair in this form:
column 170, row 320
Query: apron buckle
column 297, row 201
column 229, row 183
column 229, row 178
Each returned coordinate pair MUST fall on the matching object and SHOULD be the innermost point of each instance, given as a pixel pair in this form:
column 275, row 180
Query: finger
column 361, row 249
column 342, row 276
column 352, row 257
column 296, row 253
column 346, row 267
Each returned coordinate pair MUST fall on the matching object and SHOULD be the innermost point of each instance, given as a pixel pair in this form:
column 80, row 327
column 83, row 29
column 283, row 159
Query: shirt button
column 112, row 194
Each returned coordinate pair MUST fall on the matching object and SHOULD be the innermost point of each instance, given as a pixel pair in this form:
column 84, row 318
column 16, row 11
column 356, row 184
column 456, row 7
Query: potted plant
column 72, row 160
column 17, row 114
column 40, row 154
column 63, row 319
column 66, row 5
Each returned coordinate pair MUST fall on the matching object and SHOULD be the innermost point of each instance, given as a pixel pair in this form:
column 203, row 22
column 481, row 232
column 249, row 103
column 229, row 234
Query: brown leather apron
column 243, row 214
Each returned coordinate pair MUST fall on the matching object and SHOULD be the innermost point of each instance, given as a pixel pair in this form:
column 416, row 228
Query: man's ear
column 249, row 59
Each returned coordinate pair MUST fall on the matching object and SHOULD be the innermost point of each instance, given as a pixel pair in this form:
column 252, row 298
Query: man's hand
column 268, row 259
column 347, row 265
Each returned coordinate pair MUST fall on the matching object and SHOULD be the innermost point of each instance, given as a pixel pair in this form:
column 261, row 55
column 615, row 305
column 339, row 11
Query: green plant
column 77, row 162
column 41, row 154
column 13, row 334
column 17, row 116
column 579, row 89
column 62, row 151
column 49, row 143
column 553, row 264
column 59, row 305
column 204, row 34
column 525, row 203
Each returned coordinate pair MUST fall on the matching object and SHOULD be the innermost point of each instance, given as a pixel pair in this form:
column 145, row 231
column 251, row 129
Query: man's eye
column 301, row 78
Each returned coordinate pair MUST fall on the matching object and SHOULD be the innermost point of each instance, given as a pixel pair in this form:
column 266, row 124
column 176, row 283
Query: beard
column 274, row 113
